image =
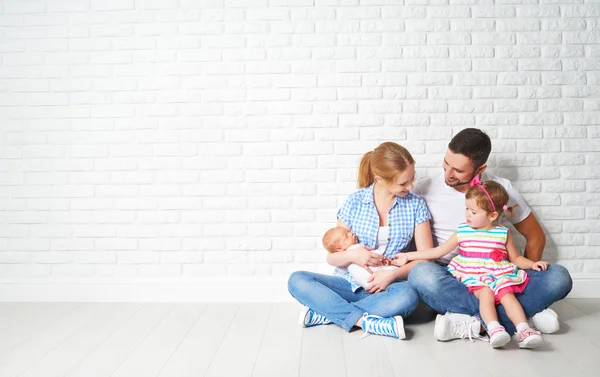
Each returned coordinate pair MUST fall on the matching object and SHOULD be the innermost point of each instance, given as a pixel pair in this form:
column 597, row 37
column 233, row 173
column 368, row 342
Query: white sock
column 522, row 326
column 492, row 325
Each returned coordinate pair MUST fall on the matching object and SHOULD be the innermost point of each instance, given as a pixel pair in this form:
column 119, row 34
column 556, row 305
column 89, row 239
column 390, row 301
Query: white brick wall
column 216, row 138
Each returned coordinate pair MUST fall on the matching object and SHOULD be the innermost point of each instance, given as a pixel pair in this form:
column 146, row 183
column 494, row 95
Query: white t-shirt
column 447, row 206
column 382, row 239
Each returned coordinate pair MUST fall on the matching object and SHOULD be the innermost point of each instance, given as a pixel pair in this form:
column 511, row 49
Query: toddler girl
column 488, row 262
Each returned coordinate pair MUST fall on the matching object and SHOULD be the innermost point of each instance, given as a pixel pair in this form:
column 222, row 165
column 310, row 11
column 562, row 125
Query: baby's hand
column 400, row 259
column 387, row 261
column 540, row 266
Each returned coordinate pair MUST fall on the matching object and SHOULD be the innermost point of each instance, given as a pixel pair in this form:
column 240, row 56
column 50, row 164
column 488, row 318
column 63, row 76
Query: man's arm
column 531, row 229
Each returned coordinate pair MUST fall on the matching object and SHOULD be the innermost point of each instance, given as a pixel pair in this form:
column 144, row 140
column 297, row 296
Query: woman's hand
column 540, row 265
column 364, row 257
column 380, row 280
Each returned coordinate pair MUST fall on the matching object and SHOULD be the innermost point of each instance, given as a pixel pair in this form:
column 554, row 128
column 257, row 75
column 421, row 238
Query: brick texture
column 192, row 138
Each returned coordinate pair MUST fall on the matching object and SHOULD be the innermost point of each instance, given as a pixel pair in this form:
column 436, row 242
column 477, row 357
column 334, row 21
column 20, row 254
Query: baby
column 340, row 239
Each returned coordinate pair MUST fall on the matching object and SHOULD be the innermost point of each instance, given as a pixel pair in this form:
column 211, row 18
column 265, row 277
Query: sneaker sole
column 400, row 327
column 548, row 330
column 533, row 341
column 302, row 316
column 500, row 341
column 436, row 330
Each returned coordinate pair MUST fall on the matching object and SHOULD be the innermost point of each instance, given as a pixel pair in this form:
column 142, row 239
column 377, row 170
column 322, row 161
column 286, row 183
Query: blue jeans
column 332, row 297
column 438, row 289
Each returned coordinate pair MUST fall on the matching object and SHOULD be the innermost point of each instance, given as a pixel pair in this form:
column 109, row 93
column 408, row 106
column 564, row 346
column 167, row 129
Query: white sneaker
column 456, row 326
column 546, row 321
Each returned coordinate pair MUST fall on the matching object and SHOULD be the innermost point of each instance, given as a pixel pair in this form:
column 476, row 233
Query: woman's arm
column 423, row 237
column 341, row 223
column 519, row 260
column 380, row 280
column 423, row 241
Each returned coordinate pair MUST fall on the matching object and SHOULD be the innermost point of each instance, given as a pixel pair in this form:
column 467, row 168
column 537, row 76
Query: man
column 466, row 158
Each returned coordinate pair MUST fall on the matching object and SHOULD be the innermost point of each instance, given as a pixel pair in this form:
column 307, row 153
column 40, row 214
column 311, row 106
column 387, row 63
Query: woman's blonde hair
column 498, row 194
column 386, row 161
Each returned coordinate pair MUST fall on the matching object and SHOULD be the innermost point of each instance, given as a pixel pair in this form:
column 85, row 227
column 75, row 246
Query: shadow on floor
column 422, row 314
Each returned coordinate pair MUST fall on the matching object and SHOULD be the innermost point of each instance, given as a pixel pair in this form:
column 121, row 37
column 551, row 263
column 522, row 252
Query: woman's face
column 402, row 183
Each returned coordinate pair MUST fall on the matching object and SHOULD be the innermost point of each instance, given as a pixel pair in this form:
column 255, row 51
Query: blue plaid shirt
column 360, row 214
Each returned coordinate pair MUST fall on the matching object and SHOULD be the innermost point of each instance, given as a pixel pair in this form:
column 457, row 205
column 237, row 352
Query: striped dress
column 482, row 261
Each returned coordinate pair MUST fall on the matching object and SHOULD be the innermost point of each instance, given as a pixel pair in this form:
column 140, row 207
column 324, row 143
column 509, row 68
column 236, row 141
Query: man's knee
column 559, row 280
column 425, row 275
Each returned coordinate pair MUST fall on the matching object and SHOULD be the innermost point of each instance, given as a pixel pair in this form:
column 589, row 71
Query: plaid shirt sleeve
column 346, row 213
column 421, row 212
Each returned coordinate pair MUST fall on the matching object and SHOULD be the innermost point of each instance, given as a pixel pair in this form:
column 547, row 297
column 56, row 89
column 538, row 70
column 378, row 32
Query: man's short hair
column 473, row 143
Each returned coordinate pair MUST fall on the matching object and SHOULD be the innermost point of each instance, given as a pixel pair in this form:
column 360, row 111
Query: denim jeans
column 332, row 297
column 438, row 289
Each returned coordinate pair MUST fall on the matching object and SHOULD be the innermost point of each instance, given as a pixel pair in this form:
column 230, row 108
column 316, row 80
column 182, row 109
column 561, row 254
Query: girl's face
column 476, row 217
column 403, row 183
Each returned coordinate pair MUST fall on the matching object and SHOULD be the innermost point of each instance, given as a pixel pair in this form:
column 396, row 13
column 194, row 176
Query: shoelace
column 463, row 330
column 316, row 319
column 377, row 325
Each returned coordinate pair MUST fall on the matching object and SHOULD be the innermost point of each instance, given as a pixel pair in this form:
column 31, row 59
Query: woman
column 383, row 214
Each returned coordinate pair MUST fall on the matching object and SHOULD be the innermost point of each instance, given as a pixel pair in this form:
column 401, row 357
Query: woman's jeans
column 332, row 297
column 438, row 289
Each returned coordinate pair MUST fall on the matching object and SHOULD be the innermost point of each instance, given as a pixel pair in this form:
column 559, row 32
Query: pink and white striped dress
column 482, row 261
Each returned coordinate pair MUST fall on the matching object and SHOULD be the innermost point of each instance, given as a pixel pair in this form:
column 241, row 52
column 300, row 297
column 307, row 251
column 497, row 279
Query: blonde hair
column 498, row 194
column 386, row 161
column 331, row 238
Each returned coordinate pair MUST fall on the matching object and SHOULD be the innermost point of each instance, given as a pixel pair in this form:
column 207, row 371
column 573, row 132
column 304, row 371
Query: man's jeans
column 438, row 289
column 332, row 297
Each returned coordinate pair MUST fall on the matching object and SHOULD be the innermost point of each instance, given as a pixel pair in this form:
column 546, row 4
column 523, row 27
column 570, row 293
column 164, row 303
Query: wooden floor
column 174, row 340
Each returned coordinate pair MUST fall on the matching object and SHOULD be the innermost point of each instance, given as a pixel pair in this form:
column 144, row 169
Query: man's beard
column 459, row 183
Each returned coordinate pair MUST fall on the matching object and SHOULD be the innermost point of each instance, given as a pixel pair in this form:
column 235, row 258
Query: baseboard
column 585, row 287
column 182, row 290
column 144, row 290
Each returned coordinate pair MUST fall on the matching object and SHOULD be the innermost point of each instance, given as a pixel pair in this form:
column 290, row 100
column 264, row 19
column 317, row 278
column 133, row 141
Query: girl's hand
column 400, row 259
column 363, row 257
column 380, row 280
column 540, row 265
